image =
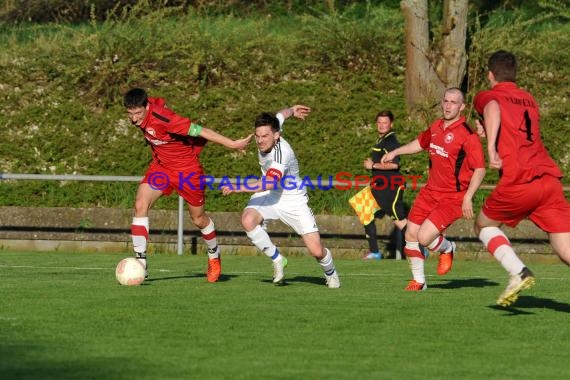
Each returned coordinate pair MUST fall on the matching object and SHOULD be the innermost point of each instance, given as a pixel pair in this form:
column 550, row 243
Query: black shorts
column 391, row 202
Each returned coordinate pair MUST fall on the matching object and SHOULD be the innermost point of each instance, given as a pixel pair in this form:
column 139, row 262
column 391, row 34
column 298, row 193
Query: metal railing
column 103, row 178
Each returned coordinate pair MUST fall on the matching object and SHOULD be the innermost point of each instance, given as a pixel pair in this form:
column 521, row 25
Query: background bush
column 61, row 86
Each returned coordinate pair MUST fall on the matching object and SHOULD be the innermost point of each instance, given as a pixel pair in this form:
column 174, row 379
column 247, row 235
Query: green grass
column 64, row 316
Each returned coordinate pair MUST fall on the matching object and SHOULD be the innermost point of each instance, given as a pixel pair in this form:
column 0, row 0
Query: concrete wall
column 108, row 230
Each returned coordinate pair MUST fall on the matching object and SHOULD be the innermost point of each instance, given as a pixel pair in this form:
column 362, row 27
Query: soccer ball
column 130, row 271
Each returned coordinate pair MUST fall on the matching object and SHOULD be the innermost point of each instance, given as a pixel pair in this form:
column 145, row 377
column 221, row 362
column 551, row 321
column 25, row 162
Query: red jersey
column 454, row 153
column 167, row 134
column 519, row 144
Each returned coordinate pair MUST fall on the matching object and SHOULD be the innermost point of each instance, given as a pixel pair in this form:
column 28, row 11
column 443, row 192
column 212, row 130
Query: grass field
column 62, row 315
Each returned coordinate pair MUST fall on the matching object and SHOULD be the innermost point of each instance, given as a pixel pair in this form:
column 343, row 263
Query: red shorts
column 442, row 209
column 542, row 201
column 185, row 182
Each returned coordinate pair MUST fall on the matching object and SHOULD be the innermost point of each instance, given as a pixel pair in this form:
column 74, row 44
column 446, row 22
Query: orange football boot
column 414, row 286
column 214, row 269
column 445, row 261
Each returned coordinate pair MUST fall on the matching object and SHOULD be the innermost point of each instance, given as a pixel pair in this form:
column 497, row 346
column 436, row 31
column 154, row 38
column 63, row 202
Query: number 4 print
column 527, row 126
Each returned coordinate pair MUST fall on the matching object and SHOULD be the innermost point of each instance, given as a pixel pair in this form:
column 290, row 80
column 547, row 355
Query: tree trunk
column 452, row 62
column 430, row 69
column 420, row 75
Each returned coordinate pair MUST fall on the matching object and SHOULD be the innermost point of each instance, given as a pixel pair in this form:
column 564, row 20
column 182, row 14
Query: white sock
column 139, row 235
column 500, row 247
column 327, row 263
column 417, row 268
column 209, row 237
column 416, row 263
column 440, row 244
column 262, row 241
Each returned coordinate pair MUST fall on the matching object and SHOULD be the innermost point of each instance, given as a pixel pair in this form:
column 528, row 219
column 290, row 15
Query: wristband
column 194, row 130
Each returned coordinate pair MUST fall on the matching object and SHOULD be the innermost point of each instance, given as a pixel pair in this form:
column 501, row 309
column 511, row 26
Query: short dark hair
column 135, row 98
column 385, row 113
column 456, row 89
column 267, row 118
column 503, row 65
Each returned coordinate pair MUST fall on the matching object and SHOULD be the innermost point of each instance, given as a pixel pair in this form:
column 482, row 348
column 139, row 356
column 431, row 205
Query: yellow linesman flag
column 365, row 205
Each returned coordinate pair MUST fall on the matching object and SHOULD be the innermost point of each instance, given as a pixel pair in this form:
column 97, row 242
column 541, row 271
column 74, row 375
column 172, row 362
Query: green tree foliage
column 78, row 11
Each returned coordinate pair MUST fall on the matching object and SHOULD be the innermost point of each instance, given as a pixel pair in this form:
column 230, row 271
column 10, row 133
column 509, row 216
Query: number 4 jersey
column 519, row 143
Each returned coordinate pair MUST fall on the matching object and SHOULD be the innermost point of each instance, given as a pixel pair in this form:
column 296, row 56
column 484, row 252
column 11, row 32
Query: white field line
column 58, row 267
column 342, row 274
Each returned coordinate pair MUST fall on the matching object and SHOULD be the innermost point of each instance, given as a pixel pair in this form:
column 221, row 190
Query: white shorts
column 293, row 210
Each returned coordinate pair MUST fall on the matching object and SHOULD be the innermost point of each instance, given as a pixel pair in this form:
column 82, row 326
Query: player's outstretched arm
column 217, row 138
column 480, row 128
column 410, row 148
column 262, row 184
column 299, row 111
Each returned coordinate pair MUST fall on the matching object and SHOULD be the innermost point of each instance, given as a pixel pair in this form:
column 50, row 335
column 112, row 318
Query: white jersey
column 288, row 202
column 282, row 162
